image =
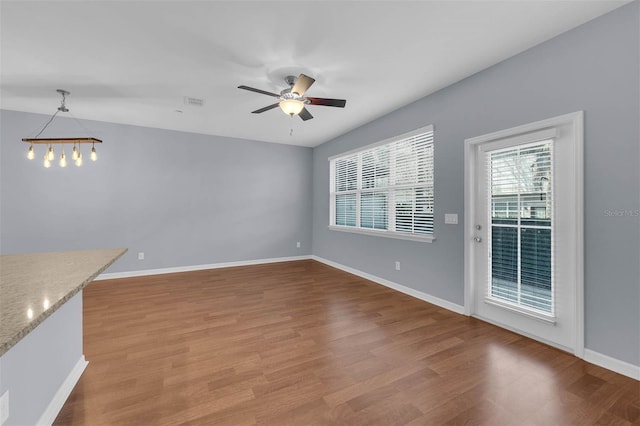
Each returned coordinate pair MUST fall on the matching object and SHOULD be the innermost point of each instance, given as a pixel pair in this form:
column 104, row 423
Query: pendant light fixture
column 49, row 155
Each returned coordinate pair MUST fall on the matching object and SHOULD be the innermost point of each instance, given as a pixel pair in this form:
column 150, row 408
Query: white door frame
column 470, row 280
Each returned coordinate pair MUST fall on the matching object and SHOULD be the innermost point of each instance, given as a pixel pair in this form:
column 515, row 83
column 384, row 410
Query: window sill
column 387, row 234
column 547, row 318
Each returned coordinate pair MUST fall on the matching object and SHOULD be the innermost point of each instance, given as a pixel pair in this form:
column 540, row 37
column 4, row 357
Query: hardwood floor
column 301, row 343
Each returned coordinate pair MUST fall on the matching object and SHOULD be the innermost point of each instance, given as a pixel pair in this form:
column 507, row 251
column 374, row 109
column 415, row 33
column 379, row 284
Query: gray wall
column 183, row 199
column 35, row 368
column 594, row 68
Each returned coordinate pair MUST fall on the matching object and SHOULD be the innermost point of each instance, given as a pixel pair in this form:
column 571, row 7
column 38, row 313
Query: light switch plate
column 451, row 218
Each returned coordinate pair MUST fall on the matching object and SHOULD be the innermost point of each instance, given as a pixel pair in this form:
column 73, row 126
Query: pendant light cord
column 48, row 122
column 63, row 108
column 54, row 116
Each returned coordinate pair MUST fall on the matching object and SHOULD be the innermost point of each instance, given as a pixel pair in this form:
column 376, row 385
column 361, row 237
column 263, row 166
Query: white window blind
column 385, row 188
column 521, row 200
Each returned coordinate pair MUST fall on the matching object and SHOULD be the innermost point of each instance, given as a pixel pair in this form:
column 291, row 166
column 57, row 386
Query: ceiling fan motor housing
column 287, row 95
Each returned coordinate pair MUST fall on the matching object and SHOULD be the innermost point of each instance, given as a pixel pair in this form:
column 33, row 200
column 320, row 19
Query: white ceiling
column 134, row 62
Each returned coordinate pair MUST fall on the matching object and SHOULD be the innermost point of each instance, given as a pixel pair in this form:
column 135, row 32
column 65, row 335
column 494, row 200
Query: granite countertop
column 33, row 286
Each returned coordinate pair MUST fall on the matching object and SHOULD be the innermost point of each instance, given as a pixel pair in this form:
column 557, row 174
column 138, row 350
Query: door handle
column 477, row 239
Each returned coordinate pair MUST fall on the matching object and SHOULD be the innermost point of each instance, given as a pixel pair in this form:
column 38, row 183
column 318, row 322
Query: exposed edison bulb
column 51, row 155
column 94, row 154
column 79, row 159
column 74, row 154
column 47, row 162
column 63, row 160
column 31, row 154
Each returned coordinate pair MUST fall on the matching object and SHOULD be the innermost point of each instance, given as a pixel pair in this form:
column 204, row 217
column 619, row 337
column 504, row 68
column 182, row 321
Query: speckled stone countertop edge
column 4, row 348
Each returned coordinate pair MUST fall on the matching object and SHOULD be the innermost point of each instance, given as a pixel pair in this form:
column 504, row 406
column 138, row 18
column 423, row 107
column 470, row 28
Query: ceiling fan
column 292, row 100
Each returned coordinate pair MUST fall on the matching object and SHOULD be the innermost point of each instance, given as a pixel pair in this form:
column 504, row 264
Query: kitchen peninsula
column 41, row 355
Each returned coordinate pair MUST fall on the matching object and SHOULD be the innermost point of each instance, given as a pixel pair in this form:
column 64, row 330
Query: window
column 386, row 188
column 521, row 225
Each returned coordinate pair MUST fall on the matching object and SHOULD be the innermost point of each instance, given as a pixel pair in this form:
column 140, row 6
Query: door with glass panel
column 524, row 269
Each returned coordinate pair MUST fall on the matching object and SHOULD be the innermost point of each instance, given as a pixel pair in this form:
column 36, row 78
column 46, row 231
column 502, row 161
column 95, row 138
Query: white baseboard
column 398, row 287
column 145, row 272
column 613, row 364
column 53, row 409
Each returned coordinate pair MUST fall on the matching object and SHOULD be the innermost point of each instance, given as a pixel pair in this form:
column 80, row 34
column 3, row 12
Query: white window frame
column 390, row 232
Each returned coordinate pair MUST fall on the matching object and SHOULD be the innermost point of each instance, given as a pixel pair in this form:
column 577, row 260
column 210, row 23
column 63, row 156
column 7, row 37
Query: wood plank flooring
column 301, row 343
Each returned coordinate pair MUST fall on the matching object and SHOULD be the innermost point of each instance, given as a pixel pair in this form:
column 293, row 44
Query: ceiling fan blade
column 302, row 84
column 252, row 89
column 267, row 108
column 305, row 114
column 340, row 103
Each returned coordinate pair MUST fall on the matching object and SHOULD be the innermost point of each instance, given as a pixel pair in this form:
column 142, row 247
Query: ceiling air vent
column 193, row 101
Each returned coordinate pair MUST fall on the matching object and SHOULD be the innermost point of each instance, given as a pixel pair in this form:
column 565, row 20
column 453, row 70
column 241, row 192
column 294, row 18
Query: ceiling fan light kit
column 49, row 155
column 292, row 100
column 291, row 106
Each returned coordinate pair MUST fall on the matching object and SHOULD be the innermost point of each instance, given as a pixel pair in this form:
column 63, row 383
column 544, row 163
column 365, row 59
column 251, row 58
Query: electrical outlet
column 298, row 244
column 140, row 255
column 397, row 265
column 4, row 407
